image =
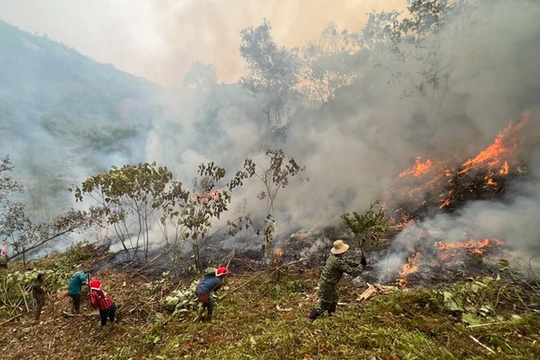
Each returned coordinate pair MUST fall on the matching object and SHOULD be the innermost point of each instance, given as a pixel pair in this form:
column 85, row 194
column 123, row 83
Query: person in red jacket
column 102, row 301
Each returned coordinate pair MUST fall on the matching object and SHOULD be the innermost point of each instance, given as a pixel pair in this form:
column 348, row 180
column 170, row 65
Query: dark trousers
column 323, row 306
column 107, row 313
column 40, row 302
column 206, row 301
column 76, row 302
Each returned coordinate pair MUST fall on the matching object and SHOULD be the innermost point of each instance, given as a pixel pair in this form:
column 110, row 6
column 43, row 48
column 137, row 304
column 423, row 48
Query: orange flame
column 279, row 253
column 410, row 267
column 494, row 156
column 490, row 181
column 417, row 170
column 505, row 143
column 504, row 169
column 477, row 245
column 206, row 197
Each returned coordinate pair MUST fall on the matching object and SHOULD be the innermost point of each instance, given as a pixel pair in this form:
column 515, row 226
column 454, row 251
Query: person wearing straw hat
column 335, row 266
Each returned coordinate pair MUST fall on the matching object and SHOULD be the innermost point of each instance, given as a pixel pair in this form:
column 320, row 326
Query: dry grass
column 251, row 323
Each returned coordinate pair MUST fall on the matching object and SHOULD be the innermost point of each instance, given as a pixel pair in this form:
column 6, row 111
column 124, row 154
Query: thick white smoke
column 354, row 147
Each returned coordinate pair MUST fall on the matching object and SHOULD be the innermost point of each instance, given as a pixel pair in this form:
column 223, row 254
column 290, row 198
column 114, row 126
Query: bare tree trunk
column 196, row 254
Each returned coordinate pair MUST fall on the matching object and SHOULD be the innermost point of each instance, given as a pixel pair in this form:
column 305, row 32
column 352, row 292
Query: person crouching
column 212, row 281
column 102, row 301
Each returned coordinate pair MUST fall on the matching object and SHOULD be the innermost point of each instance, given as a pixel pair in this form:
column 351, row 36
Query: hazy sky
column 159, row 39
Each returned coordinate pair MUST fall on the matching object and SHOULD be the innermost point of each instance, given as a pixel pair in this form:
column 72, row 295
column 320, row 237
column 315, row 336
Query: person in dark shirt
column 335, row 267
column 77, row 280
column 212, row 281
column 38, row 293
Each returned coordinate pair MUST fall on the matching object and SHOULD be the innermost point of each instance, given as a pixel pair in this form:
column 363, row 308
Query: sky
column 160, row 39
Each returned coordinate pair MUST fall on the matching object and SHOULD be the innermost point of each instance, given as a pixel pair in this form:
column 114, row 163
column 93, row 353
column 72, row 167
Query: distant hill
column 64, row 115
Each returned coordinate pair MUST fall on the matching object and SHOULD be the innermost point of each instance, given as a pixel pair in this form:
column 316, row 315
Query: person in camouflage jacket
column 335, row 266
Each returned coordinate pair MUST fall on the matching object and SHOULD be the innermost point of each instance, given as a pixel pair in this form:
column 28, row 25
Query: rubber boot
column 314, row 314
column 332, row 309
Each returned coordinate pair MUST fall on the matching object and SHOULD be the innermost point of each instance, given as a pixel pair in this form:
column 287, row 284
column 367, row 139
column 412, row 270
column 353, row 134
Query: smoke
column 485, row 66
column 494, row 74
column 159, row 40
column 445, row 99
column 207, row 31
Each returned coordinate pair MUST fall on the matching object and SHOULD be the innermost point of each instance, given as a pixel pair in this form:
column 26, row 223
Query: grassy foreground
column 258, row 318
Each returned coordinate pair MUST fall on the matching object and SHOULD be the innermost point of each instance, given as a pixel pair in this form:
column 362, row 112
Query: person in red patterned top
column 102, row 301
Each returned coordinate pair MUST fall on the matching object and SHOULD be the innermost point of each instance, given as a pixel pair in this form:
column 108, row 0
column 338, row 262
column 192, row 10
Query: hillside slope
column 259, row 318
column 62, row 115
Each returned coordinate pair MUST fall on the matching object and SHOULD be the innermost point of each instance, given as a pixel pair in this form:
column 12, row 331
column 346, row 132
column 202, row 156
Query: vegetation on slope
column 258, row 318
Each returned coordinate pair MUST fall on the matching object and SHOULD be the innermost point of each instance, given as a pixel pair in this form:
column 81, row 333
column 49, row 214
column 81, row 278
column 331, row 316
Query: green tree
column 24, row 234
column 201, row 76
column 367, row 228
column 407, row 48
column 193, row 214
column 131, row 197
column 275, row 176
column 138, row 199
column 272, row 76
column 7, row 184
column 328, row 64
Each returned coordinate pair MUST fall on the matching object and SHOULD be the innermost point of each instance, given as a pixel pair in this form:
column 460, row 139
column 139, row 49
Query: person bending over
column 212, row 281
column 335, row 266
column 102, row 301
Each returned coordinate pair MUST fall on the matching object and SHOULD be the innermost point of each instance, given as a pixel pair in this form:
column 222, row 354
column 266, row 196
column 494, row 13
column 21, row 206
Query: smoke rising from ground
column 355, row 146
column 494, row 78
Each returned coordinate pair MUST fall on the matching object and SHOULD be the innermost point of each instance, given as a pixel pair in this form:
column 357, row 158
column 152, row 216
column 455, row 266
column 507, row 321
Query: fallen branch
column 367, row 293
column 264, row 271
column 11, row 319
column 479, row 343
column 487, row 324
column 246, row 263
column 65, row 313
column 247, row 282
column 383, row 289
column 289, row 264
column 24, row 298
column 230, row 258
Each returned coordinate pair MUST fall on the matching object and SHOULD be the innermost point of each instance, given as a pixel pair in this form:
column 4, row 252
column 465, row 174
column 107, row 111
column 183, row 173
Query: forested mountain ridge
column 58, row 104
column 51, row 86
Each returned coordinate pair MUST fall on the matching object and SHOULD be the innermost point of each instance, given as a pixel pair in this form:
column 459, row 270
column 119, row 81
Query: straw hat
column 339, row 247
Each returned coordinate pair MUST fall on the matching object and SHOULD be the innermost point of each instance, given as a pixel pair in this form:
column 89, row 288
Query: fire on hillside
column 431, row 188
